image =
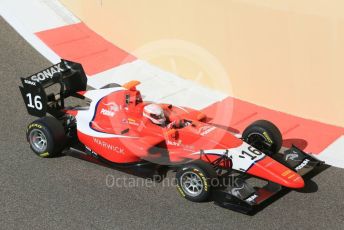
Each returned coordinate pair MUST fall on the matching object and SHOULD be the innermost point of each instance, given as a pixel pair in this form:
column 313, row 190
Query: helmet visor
column 156, row 116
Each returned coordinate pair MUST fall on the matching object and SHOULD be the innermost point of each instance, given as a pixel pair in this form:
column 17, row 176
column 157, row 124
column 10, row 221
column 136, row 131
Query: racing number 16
column 252, row 153
column 36, row 103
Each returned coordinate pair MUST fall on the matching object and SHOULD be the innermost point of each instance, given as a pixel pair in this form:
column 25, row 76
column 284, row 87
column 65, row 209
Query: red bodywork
column 129, row 137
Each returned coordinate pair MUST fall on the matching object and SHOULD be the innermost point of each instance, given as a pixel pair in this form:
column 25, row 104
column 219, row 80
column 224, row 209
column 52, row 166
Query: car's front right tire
column 46, row 137
column 263, row 135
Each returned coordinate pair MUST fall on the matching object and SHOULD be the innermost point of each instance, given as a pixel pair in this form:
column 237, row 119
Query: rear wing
column 68, row 75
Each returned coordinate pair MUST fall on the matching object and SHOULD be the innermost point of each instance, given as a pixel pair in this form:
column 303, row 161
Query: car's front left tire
column 46, row 137
column 194, row 180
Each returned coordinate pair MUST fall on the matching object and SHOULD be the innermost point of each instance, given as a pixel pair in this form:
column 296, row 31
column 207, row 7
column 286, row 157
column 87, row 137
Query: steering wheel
column 178, row 124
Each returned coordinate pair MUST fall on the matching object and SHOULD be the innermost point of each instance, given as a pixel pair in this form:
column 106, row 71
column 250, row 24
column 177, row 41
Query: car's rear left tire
column 46, row 137
column 194, row 180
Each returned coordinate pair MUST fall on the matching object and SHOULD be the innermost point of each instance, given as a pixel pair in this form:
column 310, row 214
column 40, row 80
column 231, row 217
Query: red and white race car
column 117, row 127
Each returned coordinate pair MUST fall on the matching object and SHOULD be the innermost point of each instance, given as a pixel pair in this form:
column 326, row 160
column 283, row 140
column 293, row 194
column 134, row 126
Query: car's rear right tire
column 46, row 137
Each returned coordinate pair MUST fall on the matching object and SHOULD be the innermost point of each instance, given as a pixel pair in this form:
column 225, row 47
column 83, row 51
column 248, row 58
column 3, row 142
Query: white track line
column 31, row 16
column 38, row 15
column 158, row 85
column 334, row 153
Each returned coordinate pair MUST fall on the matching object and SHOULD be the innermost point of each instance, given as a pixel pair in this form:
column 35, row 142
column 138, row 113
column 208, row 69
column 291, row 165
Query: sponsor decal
column 111, row 110
column 252, row 198
column 298, row 178
column 204, row 180
column 29, row 82
column 291, row 156
column 35, row 125
column 112, row 106
column 47, row 74
column 302, row 165
column 266, row 135
column 175, row 143
column 109, row 146
column 236, row 190
column 179, row 143
column 132, row 122
column 204, row 130
column 291, row 176
column 45, row 154
column 181, row 191
column 286, row 173
column 107, row 113
column 251, row 153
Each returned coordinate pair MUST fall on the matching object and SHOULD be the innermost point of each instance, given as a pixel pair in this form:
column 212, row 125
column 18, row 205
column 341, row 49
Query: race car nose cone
column 297, row 182
column 291, row 179
column 272, row 170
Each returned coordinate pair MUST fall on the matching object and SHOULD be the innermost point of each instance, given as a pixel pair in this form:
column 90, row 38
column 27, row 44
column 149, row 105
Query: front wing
column 240, row 196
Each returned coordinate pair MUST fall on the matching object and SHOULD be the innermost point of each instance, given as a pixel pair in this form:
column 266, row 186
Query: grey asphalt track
column 68, row 193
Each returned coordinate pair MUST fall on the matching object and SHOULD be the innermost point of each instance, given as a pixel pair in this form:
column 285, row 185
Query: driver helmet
column 154, row 113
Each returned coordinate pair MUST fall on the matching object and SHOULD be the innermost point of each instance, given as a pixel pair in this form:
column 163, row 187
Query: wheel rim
column 258, row 141
column 192, row 184
column 38, row 140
